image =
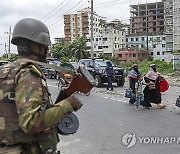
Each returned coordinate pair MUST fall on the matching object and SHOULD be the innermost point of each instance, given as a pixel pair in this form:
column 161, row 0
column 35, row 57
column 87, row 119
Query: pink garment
column 151, row 74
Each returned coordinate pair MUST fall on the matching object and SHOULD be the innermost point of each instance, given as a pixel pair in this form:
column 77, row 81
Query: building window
column 163, row 38
column 96, row 39
column 136, row 39
column 120, row 55
column 142, row 38
column 158, row 39
column 163, row 53
column 163, row 45
column 132, row 39
column 134, row 55
column 152, row 53
column 154, row 45
column 104, row 39
column 99, row 47
column 158, row 53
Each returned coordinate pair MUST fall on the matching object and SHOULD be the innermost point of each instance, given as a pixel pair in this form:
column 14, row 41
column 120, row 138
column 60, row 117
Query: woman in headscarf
column 152, row 90
column 133, row 76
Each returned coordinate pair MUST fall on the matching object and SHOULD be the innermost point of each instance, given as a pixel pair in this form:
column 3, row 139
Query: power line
column 60, row 17
column 59, row 24
column 58, row 10
column 114, row 3
column 108, row 2
column 52, row 11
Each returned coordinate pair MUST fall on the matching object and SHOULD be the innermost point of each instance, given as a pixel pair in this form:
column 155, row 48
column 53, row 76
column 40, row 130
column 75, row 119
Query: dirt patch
column 173, row 78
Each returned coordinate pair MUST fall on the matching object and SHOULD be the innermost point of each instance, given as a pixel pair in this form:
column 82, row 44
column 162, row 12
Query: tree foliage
column 70, row 51
column 13, row 56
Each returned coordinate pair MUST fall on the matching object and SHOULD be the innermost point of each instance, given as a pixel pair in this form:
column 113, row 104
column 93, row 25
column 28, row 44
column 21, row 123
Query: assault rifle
column 83, row 82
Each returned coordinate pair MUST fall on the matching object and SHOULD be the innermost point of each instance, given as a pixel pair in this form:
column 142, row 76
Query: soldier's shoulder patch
column 35, row 70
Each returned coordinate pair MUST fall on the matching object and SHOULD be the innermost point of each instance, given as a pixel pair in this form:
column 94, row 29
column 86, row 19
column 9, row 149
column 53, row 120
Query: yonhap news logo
column 130, row 139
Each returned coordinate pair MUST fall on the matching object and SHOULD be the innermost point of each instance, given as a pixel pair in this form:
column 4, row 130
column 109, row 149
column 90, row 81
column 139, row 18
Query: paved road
column 106, row 117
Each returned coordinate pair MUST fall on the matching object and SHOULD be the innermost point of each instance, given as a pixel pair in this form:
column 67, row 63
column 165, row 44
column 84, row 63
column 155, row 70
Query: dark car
column 96, row 68
column 3, row 62
column 44, row 70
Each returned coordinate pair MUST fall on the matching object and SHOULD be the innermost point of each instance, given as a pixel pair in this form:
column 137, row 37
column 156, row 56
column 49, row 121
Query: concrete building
column 176, row 26
column 156, row 45
column 148, row 24
column 78, row 24
column 107, row 37
column 131, row 55
column 114, row 37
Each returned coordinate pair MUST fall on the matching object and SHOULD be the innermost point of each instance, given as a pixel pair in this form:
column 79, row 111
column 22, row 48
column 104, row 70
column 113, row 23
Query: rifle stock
column 82, row 81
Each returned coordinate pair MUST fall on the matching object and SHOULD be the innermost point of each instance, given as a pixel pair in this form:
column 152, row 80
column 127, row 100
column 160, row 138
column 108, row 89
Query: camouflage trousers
column 23, row 149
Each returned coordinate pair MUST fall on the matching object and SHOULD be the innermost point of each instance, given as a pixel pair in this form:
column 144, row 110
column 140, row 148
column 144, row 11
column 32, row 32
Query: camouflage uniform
column 27, row 115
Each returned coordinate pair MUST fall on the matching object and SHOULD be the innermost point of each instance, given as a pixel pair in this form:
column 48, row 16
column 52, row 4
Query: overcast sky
column 51, row 13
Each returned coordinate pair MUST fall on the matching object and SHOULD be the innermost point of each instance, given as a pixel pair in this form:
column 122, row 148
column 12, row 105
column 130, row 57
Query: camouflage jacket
column 26, row 112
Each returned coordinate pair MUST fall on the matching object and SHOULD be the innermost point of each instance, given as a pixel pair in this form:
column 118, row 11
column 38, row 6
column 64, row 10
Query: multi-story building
column 169, row 25
column 176, row 26
column 147, row 24
column 78, row 25
column 114, row 37
column 107, row 37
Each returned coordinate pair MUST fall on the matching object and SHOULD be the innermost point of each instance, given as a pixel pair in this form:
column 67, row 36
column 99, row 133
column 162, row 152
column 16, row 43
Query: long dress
column 151, row 96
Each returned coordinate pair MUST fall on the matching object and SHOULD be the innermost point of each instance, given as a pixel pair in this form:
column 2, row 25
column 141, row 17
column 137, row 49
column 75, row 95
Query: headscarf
column 152, row 74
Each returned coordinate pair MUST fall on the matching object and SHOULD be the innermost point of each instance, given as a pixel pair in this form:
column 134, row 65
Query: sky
column 51, row 13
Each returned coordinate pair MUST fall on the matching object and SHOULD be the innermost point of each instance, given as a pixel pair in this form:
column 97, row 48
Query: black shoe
column 131, row 101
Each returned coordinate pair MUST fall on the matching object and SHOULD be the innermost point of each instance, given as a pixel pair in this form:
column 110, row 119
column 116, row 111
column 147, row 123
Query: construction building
column 148, row 24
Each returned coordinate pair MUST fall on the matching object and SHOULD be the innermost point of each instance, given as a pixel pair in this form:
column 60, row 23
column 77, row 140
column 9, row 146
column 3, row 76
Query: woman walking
column 152, row 90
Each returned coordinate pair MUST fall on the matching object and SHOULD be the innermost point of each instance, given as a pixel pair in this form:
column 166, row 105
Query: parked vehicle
column 3, row 62
column 44, row 70
column 53, row 73
column 96, row 67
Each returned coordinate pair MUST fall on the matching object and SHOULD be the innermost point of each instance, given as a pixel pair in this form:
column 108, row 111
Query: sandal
column 160, row 106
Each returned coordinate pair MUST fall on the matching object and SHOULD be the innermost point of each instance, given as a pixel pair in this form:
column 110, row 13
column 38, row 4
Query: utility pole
column 9, row 43
column 9, row 47
column 92, row 52
column 5, row 51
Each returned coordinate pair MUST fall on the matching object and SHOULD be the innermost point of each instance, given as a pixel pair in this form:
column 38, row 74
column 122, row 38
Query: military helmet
column 31, row 29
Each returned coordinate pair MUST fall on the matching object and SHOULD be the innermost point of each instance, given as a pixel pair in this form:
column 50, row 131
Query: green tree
column 61, row 51
column 70, row 52
column 78, row 48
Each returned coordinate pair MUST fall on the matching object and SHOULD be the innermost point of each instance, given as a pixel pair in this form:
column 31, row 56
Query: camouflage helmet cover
column 33, row 30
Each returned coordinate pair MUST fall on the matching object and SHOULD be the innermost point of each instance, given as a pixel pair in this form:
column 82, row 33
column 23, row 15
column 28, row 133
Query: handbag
column 129, row 93
column 178, row 102
column 164, row 86
column 152, row 86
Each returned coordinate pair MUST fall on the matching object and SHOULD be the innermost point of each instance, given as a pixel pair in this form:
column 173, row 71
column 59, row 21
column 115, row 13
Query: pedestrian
column 110, row 73
column 28, row 116
column 133, row 76
column 152, row 90
column 139, row 93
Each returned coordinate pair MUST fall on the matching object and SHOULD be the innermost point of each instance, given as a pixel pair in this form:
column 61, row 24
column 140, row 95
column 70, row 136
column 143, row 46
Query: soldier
column 28, row 117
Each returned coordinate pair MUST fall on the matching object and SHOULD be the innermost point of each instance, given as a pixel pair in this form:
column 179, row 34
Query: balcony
column 67, row 27
column 66, row 21
column 67, row 38
column 67, row 33
column 85, row 32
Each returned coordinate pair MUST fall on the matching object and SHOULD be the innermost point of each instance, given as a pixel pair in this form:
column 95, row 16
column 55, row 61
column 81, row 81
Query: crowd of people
column 151, row 93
